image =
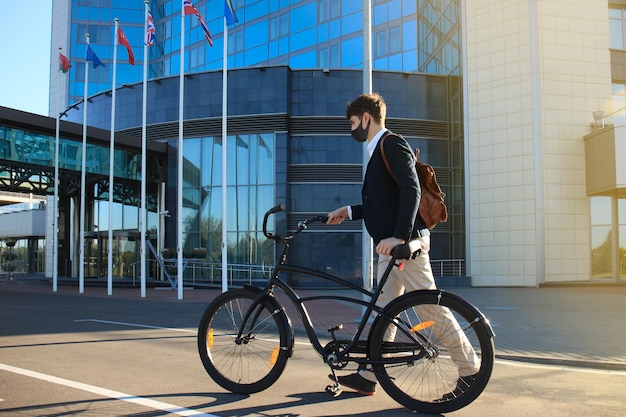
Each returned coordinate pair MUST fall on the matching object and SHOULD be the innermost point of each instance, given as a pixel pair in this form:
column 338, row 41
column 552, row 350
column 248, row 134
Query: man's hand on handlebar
column 385, row 246
column 337, row 216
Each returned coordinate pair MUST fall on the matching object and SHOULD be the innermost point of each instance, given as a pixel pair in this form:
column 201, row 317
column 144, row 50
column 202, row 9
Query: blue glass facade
column 407, row 35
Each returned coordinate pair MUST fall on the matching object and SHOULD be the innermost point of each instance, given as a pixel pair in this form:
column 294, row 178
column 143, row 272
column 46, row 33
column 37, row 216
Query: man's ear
column 365, row 119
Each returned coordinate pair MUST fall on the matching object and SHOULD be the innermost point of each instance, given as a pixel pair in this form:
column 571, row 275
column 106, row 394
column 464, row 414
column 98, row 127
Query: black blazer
column 389, row 208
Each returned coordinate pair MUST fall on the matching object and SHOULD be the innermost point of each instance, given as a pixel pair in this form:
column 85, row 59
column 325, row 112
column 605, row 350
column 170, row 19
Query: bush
column 169, row 253
column 198, row 253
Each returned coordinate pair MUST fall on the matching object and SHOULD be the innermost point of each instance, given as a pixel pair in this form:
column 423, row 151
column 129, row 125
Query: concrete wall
column 535, row 71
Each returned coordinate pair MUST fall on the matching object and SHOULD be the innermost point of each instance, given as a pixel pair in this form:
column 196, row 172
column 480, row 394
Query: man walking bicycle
column 389, row 209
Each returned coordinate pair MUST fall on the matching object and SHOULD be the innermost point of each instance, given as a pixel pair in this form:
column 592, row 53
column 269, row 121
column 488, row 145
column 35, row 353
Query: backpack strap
column 382, row 152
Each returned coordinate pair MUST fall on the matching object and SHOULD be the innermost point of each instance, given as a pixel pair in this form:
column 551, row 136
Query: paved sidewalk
column 575, row 326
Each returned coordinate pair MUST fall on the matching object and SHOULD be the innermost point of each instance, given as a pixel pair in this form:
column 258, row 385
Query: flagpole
column 224, row 159
column 142, row 211
column 55, row 218
column 112, row 163
column 179, row 205
column 81, row 248
column 366, row 245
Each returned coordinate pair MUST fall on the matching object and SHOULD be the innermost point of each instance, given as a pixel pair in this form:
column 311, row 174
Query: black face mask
column 359, row 134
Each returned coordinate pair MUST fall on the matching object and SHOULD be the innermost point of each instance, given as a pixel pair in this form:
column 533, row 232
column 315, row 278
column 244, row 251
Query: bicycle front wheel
column 436, row 355
column 253, row 361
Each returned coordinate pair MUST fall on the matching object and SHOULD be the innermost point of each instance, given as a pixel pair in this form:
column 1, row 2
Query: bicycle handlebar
column 403, row 251
column 302, row 225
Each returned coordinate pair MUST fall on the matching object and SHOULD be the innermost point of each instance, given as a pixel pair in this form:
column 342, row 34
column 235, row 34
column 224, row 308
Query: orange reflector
column 401, row 266
column 209, row 341
column 274, row 356
column 422, row 326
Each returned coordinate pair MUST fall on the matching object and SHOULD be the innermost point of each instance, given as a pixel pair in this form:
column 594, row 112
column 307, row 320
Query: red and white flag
column 121, row 38
column 64, row 63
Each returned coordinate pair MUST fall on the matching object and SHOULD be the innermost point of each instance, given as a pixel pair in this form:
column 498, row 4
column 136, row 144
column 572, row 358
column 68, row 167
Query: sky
column 25, row 33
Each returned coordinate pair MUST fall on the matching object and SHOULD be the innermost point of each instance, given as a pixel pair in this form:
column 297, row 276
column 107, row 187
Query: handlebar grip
column 276, row 209
column 271, row 211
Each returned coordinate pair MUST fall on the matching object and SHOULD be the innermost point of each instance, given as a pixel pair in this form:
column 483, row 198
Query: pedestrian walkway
column 574, row 326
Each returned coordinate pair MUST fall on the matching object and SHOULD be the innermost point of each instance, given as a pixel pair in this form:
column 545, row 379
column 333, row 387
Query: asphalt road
column 94, row 356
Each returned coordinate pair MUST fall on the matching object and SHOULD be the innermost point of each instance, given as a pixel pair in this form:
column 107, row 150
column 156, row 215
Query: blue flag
column 229, row 13
column 91, row 56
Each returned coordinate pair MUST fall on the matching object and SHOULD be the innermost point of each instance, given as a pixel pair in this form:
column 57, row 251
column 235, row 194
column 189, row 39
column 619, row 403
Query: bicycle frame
column 299, row 302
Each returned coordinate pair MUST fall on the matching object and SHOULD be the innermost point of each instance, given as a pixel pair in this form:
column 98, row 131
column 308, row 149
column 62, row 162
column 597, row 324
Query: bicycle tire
column 257, row 361
column 430, row 384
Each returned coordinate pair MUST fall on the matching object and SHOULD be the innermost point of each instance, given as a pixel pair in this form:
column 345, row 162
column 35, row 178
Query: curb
column 572, row 363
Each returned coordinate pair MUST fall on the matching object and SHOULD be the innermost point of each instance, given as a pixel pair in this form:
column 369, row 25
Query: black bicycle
column 416, row 345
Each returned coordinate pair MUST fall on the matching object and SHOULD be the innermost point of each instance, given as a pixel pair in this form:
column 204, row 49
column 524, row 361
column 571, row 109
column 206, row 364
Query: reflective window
column 253, row 10
column 395, row 40
column 352, row 53
column 304, row 39
column 381, row 43
column 17, row 257
column 250, row 193
column 325, row 150
column 303, row 17
column 284, row 24
column 618, row 113
column 621, row 221
column 352, row 23
column 616, row 27
column 324, row 14
column 256, row 34
column 601, row 238
column 273, row 27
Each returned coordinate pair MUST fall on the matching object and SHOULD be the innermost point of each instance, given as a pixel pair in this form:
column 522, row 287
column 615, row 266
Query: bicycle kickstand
column 335, row 389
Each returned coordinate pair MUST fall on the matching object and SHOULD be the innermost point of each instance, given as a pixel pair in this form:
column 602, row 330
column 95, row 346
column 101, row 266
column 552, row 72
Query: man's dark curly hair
column 370, row 103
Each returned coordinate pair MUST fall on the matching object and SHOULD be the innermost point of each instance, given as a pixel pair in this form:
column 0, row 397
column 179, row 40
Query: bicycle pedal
column 334, row 390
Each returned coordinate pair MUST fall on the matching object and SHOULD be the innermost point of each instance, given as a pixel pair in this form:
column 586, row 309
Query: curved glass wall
column 250, row 193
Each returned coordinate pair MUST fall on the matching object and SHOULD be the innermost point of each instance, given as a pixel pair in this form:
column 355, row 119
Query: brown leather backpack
column 432, row 208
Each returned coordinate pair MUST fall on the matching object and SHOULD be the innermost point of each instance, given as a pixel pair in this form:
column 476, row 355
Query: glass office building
column 494, row 91
column 293, row 66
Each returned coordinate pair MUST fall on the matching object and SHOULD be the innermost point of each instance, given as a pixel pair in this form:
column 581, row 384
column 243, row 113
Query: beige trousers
column 418, row 275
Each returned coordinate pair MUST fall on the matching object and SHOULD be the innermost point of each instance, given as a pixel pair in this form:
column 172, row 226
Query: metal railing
column 210, row 273
column 448, row 267
column 201, row 272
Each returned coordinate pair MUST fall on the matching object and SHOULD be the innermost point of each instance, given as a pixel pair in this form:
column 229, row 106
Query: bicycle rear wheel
column 255, row 361
column 436, row 356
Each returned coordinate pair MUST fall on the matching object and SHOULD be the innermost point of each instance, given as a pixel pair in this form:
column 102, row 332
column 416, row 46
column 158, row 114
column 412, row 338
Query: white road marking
column 104, row 392
column 147, row 326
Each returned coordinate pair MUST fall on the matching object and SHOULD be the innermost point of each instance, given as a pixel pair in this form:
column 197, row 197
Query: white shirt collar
column 372, row 145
